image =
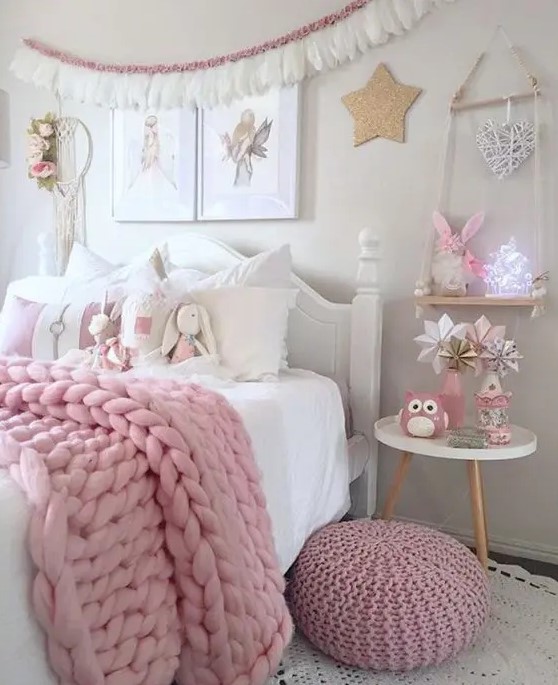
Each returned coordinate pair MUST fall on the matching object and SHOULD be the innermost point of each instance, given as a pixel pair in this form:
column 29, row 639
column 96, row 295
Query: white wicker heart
column 505, row 146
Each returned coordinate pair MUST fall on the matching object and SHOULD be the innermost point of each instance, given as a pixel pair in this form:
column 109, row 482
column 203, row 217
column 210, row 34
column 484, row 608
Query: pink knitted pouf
column 388, row 595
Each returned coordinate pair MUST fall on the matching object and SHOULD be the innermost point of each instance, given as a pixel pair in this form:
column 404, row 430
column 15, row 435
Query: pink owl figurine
column 423, row 415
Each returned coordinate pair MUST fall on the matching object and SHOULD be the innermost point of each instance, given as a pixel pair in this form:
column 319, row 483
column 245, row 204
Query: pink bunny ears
column 454, row 243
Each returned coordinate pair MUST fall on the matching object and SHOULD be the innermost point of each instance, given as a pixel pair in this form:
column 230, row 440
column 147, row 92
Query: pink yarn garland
column 199, row 65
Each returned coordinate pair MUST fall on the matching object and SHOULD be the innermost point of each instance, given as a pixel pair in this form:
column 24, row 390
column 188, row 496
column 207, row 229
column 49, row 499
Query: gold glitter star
column 380, row 107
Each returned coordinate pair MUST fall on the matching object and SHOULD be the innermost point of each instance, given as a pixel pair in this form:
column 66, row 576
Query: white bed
column 297, row 428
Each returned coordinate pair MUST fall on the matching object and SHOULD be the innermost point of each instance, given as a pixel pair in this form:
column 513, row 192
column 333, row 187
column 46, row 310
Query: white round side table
column 389, row 432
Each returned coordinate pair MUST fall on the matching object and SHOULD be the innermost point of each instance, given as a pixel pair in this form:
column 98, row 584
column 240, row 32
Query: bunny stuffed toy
column 453, row 264
column 108, row 353
column 186, row 327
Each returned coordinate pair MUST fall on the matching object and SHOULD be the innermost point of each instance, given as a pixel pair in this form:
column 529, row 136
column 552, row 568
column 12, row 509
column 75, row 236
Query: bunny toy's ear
column 171, row 334
column 441, row 225
column 472, row 227
column 206, row 331
column 116, row 311
column 104, row 304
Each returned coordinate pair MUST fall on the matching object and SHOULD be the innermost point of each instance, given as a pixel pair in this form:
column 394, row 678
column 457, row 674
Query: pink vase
column 453, row 398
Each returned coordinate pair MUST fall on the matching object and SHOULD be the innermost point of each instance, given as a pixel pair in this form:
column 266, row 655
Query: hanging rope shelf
column 447, row 261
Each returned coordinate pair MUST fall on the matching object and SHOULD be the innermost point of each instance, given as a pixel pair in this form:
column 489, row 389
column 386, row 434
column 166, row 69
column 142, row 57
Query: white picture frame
column 233, row 184
column 154, row 165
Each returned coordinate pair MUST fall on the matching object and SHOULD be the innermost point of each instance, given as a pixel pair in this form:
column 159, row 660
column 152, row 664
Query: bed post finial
column 367, row 273
column 366, row 345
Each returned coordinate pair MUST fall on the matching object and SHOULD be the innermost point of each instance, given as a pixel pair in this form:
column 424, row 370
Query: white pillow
column 181, row 281
column 118, row 283
column 270, row 269
column 44, row 289
column 250, row 327
column 84, row 264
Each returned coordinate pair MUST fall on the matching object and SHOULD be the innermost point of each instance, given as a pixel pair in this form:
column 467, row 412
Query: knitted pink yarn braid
column 149, row 530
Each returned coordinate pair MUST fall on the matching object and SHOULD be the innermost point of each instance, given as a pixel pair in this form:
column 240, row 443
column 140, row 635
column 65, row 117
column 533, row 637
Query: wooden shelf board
column 434, row 300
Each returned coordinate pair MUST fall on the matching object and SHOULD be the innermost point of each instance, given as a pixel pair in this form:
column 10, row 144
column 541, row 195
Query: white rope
column 423, row 285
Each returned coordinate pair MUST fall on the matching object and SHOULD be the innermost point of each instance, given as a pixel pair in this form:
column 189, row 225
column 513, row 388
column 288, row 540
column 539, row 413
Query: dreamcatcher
column 52, row 163
column 68, row 191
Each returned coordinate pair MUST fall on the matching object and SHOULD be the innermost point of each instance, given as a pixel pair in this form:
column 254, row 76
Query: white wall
column 390, row 186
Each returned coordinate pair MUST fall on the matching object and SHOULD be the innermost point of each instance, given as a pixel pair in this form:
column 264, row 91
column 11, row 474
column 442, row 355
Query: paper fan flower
column 501, row 356
column 436, row 333
column 459, row 353
column 479, row 334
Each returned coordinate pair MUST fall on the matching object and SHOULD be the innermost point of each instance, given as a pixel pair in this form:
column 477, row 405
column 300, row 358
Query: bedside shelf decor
column 449, row 267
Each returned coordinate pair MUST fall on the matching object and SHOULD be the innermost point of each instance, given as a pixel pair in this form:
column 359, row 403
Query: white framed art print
column 248, row 158
column 154, row 165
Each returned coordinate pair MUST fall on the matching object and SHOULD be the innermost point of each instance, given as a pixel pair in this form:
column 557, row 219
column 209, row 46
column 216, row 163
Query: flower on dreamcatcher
column 436, row 333
column 42, row 151
column 501, row 356
column 459, row 354
column 479, row 334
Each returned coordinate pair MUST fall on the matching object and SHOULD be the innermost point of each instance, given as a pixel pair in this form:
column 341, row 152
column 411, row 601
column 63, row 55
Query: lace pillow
column 45, row 331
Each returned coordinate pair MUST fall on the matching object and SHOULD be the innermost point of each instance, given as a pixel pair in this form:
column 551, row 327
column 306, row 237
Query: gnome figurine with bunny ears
column 453, row 265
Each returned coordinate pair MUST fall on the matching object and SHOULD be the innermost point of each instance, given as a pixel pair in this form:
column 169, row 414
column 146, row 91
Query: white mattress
column 298, row 437
column 297, row 426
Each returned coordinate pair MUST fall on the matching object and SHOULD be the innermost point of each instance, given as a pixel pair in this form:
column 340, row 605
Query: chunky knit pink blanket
column 149, row 530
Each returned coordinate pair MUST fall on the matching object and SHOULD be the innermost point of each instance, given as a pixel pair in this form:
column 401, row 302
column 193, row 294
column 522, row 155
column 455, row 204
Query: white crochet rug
column 519, row 646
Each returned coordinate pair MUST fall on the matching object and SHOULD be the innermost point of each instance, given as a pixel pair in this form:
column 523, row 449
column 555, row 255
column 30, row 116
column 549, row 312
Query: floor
column 539, row 568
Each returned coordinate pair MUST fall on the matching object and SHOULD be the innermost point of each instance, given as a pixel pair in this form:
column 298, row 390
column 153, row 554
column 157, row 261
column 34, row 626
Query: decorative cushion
column 144, row 317
column 45, row 331
column 250, row 327
column 388, row 595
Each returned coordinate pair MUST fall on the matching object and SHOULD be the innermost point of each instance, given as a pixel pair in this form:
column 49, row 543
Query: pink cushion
column 28, row 329
column 388, row 595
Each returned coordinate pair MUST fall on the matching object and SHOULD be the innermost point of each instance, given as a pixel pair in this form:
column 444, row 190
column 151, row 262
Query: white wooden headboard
column 342, row 341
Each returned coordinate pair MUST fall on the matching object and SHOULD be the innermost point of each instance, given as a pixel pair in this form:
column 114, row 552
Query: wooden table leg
column 479, row 515
column 484, row 510
column 395, row 488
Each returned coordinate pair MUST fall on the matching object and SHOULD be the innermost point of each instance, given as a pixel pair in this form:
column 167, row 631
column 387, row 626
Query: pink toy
column 108, row 353
column 153, row 551
column 388, row 595
column 185, row 324
column 453, row 263
column 423, row 415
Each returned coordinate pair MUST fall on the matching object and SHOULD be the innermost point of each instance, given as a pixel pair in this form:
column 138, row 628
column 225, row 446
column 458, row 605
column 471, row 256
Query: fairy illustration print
column 245, row 144
column 155, row 168
column 248, row 158
column 154, row 165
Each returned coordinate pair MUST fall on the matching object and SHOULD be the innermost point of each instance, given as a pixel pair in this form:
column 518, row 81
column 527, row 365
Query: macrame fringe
column 318, row 50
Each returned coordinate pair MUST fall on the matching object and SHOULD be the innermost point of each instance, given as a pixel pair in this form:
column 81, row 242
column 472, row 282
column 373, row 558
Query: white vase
column 491, row 383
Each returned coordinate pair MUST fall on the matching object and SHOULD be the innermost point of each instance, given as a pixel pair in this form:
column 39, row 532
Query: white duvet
column 298, row 435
